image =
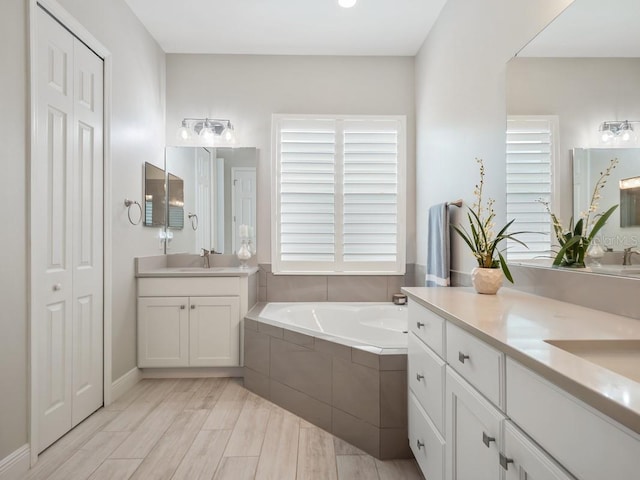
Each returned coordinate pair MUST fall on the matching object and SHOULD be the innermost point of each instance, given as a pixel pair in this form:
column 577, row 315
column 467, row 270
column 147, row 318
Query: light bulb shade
column 184, row 133
column 207, row 134
column 347, row 3
column 229, row 135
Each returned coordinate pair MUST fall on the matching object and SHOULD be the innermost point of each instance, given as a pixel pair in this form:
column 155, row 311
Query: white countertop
column 197, row 272
column 518, row 324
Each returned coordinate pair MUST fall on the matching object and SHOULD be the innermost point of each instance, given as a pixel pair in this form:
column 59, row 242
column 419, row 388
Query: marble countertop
column 197, row 272
column 520, row 324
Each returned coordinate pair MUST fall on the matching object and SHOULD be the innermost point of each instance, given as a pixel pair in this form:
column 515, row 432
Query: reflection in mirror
column 621, row 230
column 563, row 73
column 175, row 193
column 219, row 195
column 154, row 196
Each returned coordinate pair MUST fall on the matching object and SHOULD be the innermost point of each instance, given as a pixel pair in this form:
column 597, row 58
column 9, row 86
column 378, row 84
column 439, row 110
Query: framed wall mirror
column 582, row 70
column 155, row 212
column 218, row 195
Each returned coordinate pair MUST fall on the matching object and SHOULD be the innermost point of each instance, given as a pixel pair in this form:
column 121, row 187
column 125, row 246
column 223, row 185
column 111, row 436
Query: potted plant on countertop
column 574, row 242
column 483, row 242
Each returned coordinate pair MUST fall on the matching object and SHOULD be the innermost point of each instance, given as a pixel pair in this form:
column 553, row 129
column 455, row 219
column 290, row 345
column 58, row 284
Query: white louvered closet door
column 67, row 236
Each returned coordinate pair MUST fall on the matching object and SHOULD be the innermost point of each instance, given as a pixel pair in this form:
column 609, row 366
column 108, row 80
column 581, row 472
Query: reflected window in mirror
column 531, row 156
column 175, row 192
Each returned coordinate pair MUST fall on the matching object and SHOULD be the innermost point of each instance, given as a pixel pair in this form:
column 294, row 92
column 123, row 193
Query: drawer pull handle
column 193, row 307
column 419, row 444
column 462, row 357
column 182, row 307
column 504, row 461
column 420, row 324
column 419, row 377
column 486, row 439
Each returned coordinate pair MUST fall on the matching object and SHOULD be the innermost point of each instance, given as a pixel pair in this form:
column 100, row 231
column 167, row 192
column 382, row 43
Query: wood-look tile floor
column 206, row 428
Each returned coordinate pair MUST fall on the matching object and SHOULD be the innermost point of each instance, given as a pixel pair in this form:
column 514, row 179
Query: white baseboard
column 15, row 465
column 125, row 382
column 193, row 372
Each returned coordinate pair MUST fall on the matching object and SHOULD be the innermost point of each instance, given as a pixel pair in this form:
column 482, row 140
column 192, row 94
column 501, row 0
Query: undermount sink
column 619, row 356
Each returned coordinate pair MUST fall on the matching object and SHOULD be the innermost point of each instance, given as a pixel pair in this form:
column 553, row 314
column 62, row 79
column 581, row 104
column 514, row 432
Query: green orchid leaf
column 567, row 247
column 505, row 268
column 600, row 223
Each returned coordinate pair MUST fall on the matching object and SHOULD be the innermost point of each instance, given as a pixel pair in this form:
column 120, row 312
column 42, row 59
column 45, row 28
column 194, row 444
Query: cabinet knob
column 193, row 307
column 486, row 439
column 419, row 444
column 504, row 461
column 57, row 287
column 182, row 307
column 419, row 324
column 419, row 377
column 462, row 357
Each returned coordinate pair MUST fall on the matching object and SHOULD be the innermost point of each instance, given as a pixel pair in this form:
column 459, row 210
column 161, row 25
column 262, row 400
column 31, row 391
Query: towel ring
column 194, row 220
column 128, row 203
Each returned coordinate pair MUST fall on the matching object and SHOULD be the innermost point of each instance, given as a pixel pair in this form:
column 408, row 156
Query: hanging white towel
column 438, row 254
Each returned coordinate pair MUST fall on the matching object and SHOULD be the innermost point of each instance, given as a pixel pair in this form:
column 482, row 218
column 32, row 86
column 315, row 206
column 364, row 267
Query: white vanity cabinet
column 461, row 399
column 474, row 432
column 190, row 322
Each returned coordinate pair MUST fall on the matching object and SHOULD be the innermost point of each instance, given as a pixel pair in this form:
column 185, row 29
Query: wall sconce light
column 208, row 131
column 619, row 131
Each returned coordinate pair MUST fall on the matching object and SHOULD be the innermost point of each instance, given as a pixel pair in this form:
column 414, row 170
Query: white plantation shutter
column 530, row 156
column 338, row 195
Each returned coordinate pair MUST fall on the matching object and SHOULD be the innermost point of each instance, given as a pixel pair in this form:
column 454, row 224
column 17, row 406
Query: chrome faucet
column 205, row 258
column 626, row 260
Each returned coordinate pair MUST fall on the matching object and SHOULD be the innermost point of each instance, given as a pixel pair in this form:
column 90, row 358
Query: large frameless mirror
column 218, row 196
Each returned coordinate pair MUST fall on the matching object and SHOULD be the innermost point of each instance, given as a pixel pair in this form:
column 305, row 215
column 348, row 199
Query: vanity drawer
column 587, row 443
column 426, row 443
column 478, row 363
column 427, row 379
column 189, row 287
column 427, row 326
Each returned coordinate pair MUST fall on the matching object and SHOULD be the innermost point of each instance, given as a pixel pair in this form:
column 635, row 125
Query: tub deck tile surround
column 280, row 445
column 358, row 394
column 331, row 288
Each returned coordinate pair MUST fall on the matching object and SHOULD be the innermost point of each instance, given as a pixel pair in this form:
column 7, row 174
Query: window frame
column 338, row 266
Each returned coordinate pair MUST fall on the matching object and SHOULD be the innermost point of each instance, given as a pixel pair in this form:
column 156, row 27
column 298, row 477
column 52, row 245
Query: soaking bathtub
column 341, row 366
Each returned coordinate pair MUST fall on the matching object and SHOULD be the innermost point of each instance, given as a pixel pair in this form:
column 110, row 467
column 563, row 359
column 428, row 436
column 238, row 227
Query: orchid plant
column 481, row 237
column 574, row 241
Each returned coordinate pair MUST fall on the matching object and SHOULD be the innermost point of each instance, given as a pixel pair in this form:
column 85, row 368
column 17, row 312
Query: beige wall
column 137, row 134
column 460, row 104
column 583, row 92
column 249, row 89
column 13, row 218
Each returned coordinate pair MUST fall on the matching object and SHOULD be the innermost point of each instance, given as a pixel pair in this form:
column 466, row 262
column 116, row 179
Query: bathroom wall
column 460, row 105
column 249, row 89
column 137, row 134
column 583, row 92
column 13, row 218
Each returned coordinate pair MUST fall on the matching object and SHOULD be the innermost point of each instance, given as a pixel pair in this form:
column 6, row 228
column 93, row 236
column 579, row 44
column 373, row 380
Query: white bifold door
column 67, row 231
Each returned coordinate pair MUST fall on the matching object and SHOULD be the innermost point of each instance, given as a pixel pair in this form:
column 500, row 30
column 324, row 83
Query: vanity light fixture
column 627, row 183
column 347, row 3
column 207, row 131
column 621, row 131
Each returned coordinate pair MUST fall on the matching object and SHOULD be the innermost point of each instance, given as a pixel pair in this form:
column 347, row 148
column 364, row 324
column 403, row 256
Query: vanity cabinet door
column 163, row 332
column 214, row 331
column 473, row 429
column 523, row 459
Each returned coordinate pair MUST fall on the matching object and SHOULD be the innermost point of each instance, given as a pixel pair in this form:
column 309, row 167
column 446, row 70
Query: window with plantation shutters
column 531, row 146
column 338, row 194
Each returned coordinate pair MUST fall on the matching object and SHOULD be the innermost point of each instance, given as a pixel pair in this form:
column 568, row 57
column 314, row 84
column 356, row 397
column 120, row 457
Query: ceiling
column 590, row 28
column 288, row 27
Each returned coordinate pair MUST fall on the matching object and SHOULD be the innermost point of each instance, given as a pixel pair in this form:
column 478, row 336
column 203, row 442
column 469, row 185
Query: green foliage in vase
column 575, row 240
column 481, row 237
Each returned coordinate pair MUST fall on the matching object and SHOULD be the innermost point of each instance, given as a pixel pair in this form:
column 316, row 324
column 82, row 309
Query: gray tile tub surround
column 358, row 394
column 330, row 288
